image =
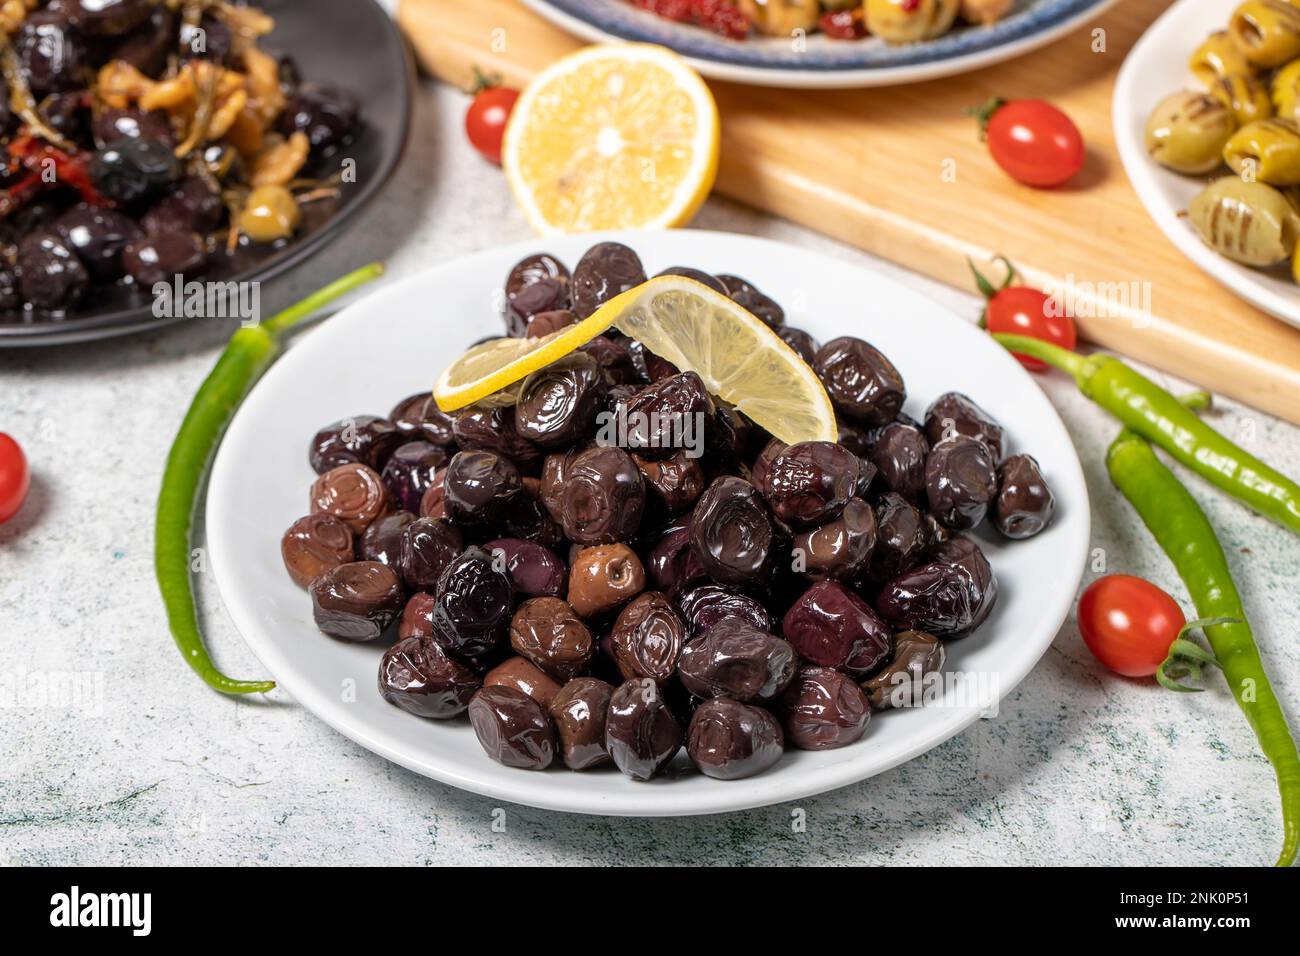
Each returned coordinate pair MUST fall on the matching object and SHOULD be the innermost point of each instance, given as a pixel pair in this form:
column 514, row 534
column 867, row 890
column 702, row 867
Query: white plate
column 396, row 341
column 1156, row 67
column 818, row 62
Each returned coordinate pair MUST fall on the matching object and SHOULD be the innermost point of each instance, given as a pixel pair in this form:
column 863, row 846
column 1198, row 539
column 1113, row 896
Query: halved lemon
column 622, row 136
column 739, row 358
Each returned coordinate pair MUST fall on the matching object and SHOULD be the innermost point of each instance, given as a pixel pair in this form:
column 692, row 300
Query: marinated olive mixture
column 1245, row 118
column 177, row 146
column 608, row 604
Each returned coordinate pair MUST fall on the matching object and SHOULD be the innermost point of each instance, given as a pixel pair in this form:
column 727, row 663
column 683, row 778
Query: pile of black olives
column 597, row 604
column 101, row 188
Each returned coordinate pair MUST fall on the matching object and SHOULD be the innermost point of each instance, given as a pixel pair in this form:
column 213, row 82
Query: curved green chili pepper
column 1183, row 531
column 248, row 354
column 1162, row 419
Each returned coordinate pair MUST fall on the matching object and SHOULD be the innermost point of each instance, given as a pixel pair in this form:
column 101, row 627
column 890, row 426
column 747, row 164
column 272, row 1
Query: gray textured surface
column 1079, row 766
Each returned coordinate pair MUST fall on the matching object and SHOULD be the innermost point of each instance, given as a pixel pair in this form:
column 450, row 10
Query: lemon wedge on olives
column 739, row 359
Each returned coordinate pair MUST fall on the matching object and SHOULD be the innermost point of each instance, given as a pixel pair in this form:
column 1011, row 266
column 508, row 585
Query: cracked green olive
column 1285, row 90
column 1217, row 57
column 1267, row 151
column 1267, row 32
column 270, row 213
column 1187, row 132
column 1250, row 223
column 906, row 21
column 1246, row 95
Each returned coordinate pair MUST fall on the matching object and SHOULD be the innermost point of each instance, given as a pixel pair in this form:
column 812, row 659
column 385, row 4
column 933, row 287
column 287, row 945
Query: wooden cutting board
column 900, row 172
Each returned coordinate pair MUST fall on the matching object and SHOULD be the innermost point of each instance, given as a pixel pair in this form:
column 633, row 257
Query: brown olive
column 731, row 533
column 960, row 481
column 546, row 632
column 810, row 483
column 417, row 675
column 954, row 414
column 863, row 385
column 948, row 596
column 604, row 578
column 729, row 740
column 313, row 545
column 647, row 638
column 354, row 494
column 840, row 548
column 824, row 709
column 512, row 728
column 641, row 733
column 579, row 712
column 428, row 545
column 899, row 451
column 603, row 497
column 673, row 484
column 733, row 659
column 356, row 601
column 1025, row 504
column 523, row 675
column 831, row 626
column 915, row 656
column 382, row 541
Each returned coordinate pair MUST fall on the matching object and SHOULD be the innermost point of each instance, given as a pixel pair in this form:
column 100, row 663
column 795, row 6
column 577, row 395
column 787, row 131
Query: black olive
column 51, row 276
column 329, row 117
column 134, row 170
column 98, row 236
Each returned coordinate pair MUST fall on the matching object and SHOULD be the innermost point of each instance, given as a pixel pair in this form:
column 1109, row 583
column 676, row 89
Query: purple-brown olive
column 916, row 655
column 674, row 484
column 356, row 601
column 478, row 428
column 606, row 269
column 558, row 404
column 898, row 452
column 863, row 384
column 535, row 570
column 733, row 659
column 354, row 494
column 840, row 548
column 428, row 546
column 763, row 463
column 579, row 712
column 433, row 503
column 729, row 740
column 615, row 359
column 551, row 486
column 418, row 416
column 824, row 709
column 830, row 626
column 809, row 483
column 647, row 638
column 902, row 537
column 547, row 632
column 475, row 601
column 410, row 471
column 416, row 675
column 704, row 278
column 731, row 533
column 756, row 303
column 671, row 565
column 604, row 578
column 603, row 496
column 365, row 438
column 314, row 545
column 524, row 675
column 537, row 284
column 704, row 606
column 641, row 734
column 960, row 481
column 948, row 596
column 417, row 617
column 382, row 541
column 803, row 344
column 665, row 418
column 1025, row 504
column 954, row 414
column 513, row 728
column 481, row 489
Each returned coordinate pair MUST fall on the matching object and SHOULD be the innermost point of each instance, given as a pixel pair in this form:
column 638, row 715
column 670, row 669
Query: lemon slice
column 623, row 136
column 739, row 358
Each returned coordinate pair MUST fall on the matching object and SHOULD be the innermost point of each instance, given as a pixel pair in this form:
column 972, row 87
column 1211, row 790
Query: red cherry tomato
column 1129, row 623
column 1034, row 142
column 1024, row 311
column 14, row 477
column 485, row 120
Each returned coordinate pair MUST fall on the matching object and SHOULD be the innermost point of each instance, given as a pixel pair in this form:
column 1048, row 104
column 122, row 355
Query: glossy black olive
column 862, row 383
column 191, row 207
column 674, row 484
column 535, row 570
column 428, row 547
column 410, row 471
column 709, row 604
column 367, row 439
column 731, row 533
column 474, row 603
column 810, row 483
column 418, row 415
column 480, row 490
column 330, row 117
column 804, row 344
column 662, row 419
column 1025, row 504
column 898, row 451
column 734, row 659
column 704, row 278
column 671, row 565
column 830, row 626
column 162, row 257
column 558, row 404
column 50, row 54
column 479, row 428
column 840, row 548
column 824, row 709
column 902, row 537
column 606, row 269
column 50, row 274
column 748, row 297
column 134, row 170
column 356, row 601
column 954, row 414
column 382, row 541
column 418, row 676
column 729, row 740
column 513, row 728
column 960, row 481
column 106, row 17
column 615, row 359
column 97, row 235
column 641, row 734
column 948, row 596
column 604, row 497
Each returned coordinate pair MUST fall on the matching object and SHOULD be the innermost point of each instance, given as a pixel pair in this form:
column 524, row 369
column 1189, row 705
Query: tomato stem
column 1187, row 658
column 985, row 113
column 484, row 81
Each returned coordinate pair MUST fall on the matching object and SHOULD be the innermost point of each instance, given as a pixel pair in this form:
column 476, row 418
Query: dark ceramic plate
column 352, row 44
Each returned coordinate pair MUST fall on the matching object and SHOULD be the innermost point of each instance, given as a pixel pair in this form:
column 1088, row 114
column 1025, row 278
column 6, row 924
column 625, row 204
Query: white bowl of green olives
column 1207, row 122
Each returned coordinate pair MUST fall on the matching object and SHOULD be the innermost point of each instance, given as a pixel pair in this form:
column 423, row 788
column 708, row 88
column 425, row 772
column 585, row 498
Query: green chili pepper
column 1184, row 532
column 1162, row 419
column 250, row 351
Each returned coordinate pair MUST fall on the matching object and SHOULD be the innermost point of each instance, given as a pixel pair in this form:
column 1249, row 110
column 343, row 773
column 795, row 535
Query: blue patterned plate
column 819, row 61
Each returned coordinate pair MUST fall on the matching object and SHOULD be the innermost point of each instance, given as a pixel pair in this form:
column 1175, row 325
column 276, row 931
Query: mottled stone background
column 1079, row 766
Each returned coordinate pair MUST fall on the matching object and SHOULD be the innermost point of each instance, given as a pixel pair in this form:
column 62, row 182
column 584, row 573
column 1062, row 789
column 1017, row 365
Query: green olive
column 1244, row 94
column 1187, row 132
column 1267, row 32
column 1216, row 58
column 1267, row 151
column 781, row 18
column 1285, row 90
column 906, row 21
column 269, row 213
column 1250, row 223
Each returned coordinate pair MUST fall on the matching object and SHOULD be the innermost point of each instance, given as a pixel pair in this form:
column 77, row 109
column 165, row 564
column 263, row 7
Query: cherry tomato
column 1129, row 623
column 1034, row 142
column 1024, row 311
column 14, row 477
column 485, row 120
